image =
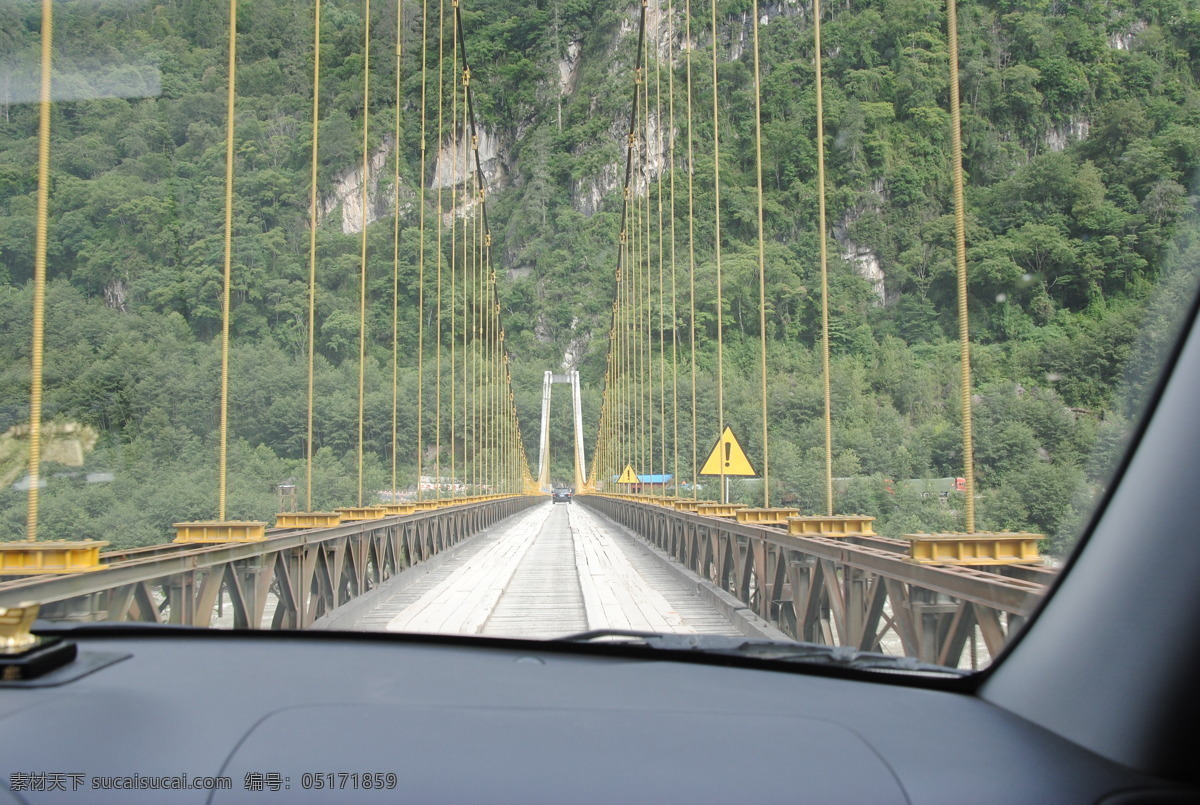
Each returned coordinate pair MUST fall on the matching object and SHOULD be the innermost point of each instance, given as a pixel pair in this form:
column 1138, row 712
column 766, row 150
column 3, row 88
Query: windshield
column 830, row 333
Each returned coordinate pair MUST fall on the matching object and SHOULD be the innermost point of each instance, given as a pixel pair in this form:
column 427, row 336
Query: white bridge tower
column 548, row 380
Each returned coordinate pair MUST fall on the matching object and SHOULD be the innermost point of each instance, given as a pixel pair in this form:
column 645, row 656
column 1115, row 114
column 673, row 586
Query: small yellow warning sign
column 728, row 458
column 628, row 476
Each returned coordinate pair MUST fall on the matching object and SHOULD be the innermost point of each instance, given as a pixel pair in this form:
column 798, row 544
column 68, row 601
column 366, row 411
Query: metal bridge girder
column 845, row 591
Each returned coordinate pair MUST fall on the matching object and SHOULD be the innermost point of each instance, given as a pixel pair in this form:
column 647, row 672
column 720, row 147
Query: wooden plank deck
column 546, row 572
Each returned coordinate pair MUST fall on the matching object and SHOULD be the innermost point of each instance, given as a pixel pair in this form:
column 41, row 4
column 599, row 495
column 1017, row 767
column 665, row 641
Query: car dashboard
column 282, row 717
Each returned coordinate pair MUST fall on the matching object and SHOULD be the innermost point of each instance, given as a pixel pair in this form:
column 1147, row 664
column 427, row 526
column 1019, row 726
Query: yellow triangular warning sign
column 729, row 453
column 628, row 476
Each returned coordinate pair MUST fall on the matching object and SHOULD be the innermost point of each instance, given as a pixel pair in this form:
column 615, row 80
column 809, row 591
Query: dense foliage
column 1082, row 142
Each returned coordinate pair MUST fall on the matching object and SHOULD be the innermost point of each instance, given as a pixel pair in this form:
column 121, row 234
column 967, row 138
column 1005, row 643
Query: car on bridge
column 561, row 494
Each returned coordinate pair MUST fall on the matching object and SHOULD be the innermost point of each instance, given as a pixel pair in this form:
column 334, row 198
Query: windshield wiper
column 774, row 650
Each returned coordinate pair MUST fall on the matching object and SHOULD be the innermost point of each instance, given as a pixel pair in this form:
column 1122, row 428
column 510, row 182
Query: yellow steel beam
column 307, row 519
column 362, row 513
column 37, row 558
column 217, row 531
column 977, row 548
column 838, row 525
column 769, row 516
column 719, row 509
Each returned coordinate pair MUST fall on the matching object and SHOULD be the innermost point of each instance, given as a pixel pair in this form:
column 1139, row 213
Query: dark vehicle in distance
column 561, row 494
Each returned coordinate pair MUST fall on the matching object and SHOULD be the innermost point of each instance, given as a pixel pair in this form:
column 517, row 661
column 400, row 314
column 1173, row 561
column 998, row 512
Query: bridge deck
column 548, row 571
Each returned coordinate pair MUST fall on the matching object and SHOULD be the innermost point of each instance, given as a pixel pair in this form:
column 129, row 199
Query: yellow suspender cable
column 362, row 292
column 634, row 251
column 631, row 250
column 396, row 246
column 482, row 318
column 638, row 408
column 662, row 367
column 629, row 334
column 489, row 378
column 479, row 360
column 468, row 313
column 453, row 254
column 671, row 205
column 421, row 270
column 646, row 299
column 717, row 246
column 312, row 247
column 636, row 400
column 762, row 265
column 631, row 365
column 473, row 355
column 480, row 367
column 960, row 249
column 39, row 274
column 642, row 261
column 224, row 428
column 469, row 270
column 441, row 114
column 468, row 365
column 691, row 234
column 824, row 263
column 485, row 369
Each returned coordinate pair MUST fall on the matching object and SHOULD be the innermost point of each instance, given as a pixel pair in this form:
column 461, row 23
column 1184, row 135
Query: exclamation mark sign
column 728, row 448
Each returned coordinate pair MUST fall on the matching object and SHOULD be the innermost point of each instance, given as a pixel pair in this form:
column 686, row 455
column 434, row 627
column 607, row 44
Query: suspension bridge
column 483, row 551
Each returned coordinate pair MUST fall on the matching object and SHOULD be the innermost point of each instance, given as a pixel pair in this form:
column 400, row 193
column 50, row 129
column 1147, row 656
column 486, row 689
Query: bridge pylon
column 548, row 380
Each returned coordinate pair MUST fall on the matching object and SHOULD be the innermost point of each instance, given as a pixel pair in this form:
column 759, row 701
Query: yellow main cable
column 362, row 292
column 224, row 426
column 396, row 248
column 717, row 246
column 421, row 268
column 828, row 416
column 762, row 264
column 691, row 237
column 39, row 273
column 312, row 248
column 960, row 249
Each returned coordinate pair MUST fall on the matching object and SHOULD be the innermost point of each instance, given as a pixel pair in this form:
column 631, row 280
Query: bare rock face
column 456, row 161
column 576, row 348
column 1122, row 40
column 568, row 68
column 347, row 194
column 868, row 266
column 1075, row 130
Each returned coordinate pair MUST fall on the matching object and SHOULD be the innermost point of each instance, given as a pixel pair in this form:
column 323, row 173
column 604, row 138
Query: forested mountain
column 1082, row 143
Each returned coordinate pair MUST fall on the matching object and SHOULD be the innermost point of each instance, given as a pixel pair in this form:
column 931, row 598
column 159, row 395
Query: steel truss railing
column 308, row 573
column 840, row 591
